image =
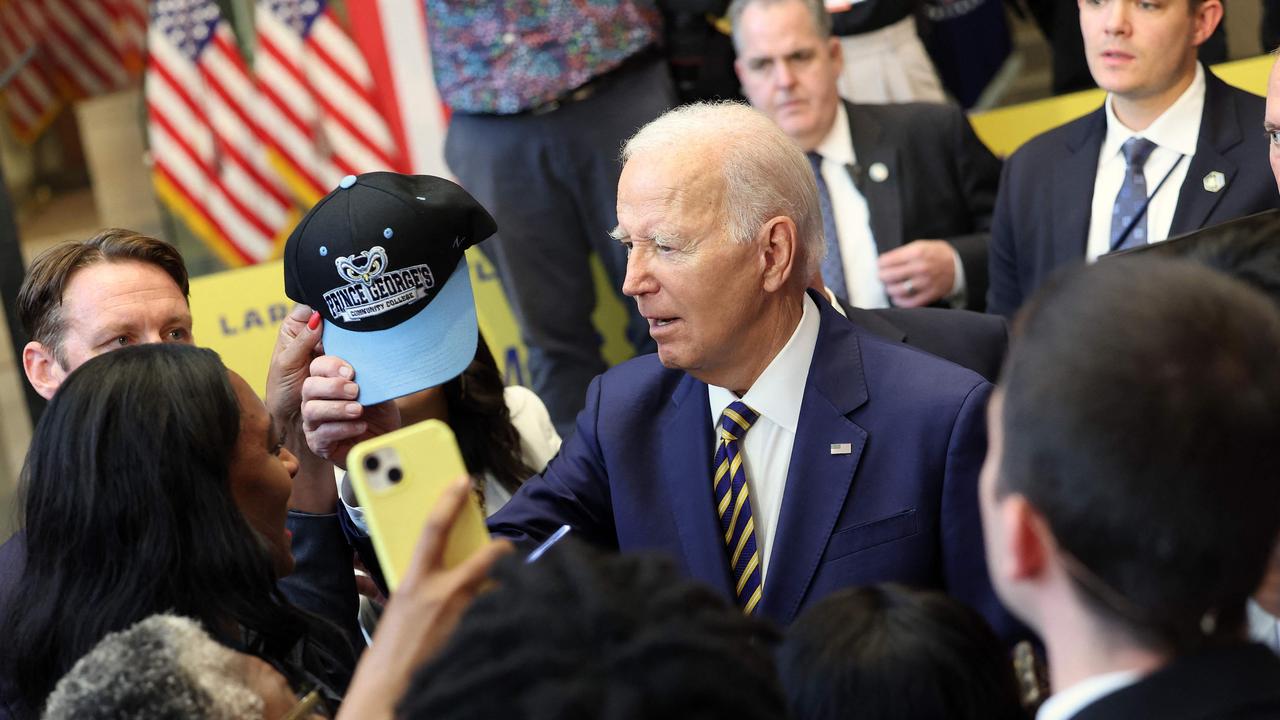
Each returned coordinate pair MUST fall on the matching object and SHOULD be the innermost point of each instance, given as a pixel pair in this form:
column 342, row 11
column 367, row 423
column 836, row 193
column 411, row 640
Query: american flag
column 129, row 22
column 80, row 36
column 210, row 163
column 320, row 108
column 65, row 50
column 30, row 96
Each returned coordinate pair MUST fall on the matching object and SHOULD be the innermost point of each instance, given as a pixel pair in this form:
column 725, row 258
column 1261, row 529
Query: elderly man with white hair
column 771, row 448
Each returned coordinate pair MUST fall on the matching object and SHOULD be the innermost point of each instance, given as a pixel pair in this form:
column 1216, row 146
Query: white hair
column 765, row 173
column 162, row 667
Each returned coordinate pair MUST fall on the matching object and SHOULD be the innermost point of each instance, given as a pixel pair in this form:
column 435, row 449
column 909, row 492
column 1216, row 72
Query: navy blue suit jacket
column 1046, row 192
column 902, row 506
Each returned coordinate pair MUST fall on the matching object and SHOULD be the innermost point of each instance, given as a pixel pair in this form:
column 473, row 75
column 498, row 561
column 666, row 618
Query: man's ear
column 1207, row 16
column 837, row 54
column 1030, row 542
column 44, row 372
column 778, row 248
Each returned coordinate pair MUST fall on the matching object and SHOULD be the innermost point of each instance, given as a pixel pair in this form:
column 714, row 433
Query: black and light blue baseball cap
column 381, row 257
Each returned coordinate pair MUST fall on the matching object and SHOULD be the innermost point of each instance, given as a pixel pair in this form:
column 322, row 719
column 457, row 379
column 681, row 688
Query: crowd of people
column 833, row 488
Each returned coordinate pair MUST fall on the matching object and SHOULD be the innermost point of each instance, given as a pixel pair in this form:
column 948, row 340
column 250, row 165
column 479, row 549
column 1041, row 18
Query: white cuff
column 959, row 295
column 347, row 497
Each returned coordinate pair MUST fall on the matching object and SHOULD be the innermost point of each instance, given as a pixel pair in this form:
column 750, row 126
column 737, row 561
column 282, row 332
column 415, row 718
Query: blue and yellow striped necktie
column 734, row 505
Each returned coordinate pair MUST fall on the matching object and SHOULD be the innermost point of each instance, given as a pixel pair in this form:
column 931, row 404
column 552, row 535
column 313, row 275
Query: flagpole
column 7, row 76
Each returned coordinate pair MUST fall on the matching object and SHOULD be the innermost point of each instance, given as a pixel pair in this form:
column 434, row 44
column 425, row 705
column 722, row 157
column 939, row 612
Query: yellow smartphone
column 398, row 479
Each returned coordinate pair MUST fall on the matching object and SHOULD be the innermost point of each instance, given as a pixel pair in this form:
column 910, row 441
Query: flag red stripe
column 366, row 33
column 251, row 217
column 335, row 116
column 90, row 25
column 289, row 66
column 299, row 126
column 204, row 214
column 242, row 117
column 180, row 90
column 338, row 70
column 57, row 35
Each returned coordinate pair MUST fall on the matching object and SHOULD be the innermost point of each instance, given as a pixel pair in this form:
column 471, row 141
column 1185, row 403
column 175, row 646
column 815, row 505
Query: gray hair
column 765, row 173
column 817, row 10
column 163, row 667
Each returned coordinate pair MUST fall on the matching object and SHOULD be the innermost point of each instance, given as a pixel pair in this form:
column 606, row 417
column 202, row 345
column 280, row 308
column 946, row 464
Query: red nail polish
column 314, row 321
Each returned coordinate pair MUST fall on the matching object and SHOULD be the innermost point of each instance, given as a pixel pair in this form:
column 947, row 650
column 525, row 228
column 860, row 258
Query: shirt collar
column 779, row 391
column 1262, row 624
column 1177, row 128
column 1065, row 704
column 837, row 146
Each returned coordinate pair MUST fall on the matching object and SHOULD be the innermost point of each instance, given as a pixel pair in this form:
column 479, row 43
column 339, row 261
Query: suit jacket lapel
column 686, row 453
column 818, row 480
column 884, row 197
column 1073, row 190
column 1219, row 132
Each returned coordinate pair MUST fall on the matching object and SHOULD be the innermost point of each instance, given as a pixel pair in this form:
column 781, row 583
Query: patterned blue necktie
column 832, row 265
column 1132, row 198
column 734, row 506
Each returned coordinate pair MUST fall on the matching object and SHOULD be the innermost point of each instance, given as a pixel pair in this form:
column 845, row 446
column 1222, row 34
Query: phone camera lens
column 394, row 475
column 371, row 463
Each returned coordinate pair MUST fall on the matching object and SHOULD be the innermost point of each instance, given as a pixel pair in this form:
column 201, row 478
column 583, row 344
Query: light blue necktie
column 832, row 265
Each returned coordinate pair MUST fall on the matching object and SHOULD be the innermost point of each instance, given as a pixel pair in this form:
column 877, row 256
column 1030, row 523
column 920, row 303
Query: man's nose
column 783, row 75
column 638, row 281
column 1117, row 17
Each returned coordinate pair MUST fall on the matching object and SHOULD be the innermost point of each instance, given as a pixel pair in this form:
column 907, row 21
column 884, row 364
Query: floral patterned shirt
column 507, row 56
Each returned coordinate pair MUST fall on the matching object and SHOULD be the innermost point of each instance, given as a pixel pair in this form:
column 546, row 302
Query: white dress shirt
column 859, row 253
column 1264, row 627
column 1064, row 704
column 1175, row 133
column 766, row 448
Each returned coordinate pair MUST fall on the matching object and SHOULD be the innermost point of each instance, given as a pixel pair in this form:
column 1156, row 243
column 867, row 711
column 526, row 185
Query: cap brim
column 426, row 350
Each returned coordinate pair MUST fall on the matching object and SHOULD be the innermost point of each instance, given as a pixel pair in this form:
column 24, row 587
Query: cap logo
column 372, row 289
column 364, row 267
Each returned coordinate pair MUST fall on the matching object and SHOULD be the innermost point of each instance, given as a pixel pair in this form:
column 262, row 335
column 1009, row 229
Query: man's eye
column 121, row 341
column 759, row 65
column 664, row 249
column 1273, row 136
column 178, row 335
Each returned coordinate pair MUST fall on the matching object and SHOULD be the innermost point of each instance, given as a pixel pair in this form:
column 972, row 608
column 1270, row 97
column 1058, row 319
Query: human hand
column 296, row 345
column 422, row 613
column 332, row 419
column 919, row 273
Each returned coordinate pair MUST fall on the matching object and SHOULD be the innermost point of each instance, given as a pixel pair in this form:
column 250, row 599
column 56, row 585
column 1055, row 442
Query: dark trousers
column 551, row 180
